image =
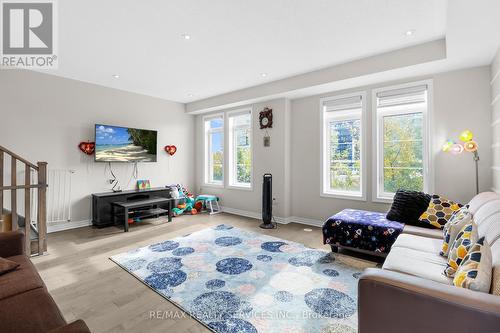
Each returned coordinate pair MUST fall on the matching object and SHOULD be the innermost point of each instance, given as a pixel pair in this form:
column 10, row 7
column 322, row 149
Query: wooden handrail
column 41, row 187
column 21, row 187
column 19, row 158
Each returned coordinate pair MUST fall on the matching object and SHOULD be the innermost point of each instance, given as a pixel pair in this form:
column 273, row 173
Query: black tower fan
column 267, row 202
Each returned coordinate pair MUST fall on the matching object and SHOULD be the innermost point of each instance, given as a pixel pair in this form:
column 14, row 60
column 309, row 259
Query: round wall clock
column 266, row 118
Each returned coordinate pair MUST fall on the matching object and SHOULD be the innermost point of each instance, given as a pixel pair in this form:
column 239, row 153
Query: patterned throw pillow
column 476, row 269
column 439, row 211
column 451, row 229
column 464, row 241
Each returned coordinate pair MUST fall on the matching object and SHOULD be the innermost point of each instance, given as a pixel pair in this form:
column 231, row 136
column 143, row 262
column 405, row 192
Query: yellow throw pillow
column 475, row 271
column 439, row 211
column 459, row 219
column 461, row 246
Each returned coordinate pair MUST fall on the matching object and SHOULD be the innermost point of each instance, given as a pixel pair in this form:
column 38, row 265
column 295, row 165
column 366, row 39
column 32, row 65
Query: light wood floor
column 87, row 285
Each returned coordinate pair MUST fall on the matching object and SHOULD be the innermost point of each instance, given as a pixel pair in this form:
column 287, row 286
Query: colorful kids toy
column 188, row 206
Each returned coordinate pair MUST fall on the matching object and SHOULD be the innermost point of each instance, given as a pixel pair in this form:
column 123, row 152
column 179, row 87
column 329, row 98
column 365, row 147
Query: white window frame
column 378, row 176
column 231, row 151
column 207, row 161
column 325, row 190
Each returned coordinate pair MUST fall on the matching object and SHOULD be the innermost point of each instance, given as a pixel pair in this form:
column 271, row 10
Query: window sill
column 240, row 187
column 345, row 196
column 387, row 200
column 213, row 185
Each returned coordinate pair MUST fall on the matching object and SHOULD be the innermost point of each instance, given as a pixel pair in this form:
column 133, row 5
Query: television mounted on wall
column 123, row 144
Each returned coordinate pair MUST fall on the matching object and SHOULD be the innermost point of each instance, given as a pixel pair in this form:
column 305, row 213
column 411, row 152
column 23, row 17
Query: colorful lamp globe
column 466, row 136
column 470, row 146
column 447, row 145
column 456, row 149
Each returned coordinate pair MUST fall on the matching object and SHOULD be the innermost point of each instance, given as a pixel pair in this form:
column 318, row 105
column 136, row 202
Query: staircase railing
column 41, row 187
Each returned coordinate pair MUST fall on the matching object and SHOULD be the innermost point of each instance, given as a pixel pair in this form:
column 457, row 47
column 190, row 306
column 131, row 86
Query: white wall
column 495, row 105
column 43, row 118
column 461, row 101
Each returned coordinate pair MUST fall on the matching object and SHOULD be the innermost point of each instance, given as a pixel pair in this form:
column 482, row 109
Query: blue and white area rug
column 236, row 281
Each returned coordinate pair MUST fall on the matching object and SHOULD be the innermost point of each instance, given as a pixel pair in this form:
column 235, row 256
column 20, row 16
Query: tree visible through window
column 342, row 140
column 403, row 147
column 214, row 138
column 240, row 158
column 402, row 138
column 345, row 162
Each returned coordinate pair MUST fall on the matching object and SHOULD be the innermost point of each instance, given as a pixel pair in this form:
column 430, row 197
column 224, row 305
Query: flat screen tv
column 121, row 144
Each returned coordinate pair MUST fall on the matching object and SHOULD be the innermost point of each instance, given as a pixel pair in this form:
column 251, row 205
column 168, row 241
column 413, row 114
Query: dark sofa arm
column 11, row 243
column 78, row 326
column 395, row 302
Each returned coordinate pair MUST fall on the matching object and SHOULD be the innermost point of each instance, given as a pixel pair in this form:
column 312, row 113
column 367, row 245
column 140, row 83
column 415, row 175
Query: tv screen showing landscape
column 121, row 144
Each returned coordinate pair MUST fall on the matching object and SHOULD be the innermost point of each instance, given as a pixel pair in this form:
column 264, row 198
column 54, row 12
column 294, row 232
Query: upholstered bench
column 362, row 231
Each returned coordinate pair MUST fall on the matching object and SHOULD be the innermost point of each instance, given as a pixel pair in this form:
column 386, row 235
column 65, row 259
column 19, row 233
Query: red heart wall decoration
column 87, row 147
column 171, row 150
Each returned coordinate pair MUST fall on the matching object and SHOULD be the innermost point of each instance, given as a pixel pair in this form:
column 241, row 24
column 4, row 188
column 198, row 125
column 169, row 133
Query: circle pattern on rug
column 264, row 258
column 134, row 264
column 182, row 251
column 338, row 328
column 272, row 246
column 228, row 241
column 223, row 227
column 233, row 266
column 232, row 325
column 283, row 296
column 215, row 305
column 306, row 258
column 164, row 246
column 327, row 259
column 165, row 265
column 165, row 280
column 331, row 272
column 330, row 303
column 356, row 275
column 215, row 284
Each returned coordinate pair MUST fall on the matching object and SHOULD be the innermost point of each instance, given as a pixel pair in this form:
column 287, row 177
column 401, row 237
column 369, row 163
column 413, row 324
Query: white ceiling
column 234, row 41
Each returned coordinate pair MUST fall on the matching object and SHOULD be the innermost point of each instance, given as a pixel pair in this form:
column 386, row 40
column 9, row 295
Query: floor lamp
column 467, row 144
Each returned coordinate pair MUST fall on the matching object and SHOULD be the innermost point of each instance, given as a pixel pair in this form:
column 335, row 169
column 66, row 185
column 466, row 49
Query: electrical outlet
column 275, row 201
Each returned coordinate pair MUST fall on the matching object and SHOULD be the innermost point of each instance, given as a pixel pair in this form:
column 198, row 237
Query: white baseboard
column 280, row 220
column 60, row 226
column 306, row 221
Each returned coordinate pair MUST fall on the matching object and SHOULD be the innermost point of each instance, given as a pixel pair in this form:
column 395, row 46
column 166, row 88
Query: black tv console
column 102, row 214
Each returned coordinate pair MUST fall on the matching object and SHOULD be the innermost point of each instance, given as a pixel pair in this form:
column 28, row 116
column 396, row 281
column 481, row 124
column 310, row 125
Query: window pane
column 241, row 163
column 243, row 173
column 242, row 137
column 217, row 156
column 216, row 123
column 345, row 162
column 217, row 172
column 403, row 152
column 345, row 176
column 409, row 179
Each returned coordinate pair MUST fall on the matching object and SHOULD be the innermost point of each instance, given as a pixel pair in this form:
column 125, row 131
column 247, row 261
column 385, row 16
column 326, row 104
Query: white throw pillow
column 475, row 271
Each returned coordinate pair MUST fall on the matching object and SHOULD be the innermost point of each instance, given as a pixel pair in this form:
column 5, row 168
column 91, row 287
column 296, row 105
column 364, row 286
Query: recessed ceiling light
column 263, row 74
column 116, row 76
column 186, row 36
column 409, row 32
column 308, row 229
column 190, row 95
